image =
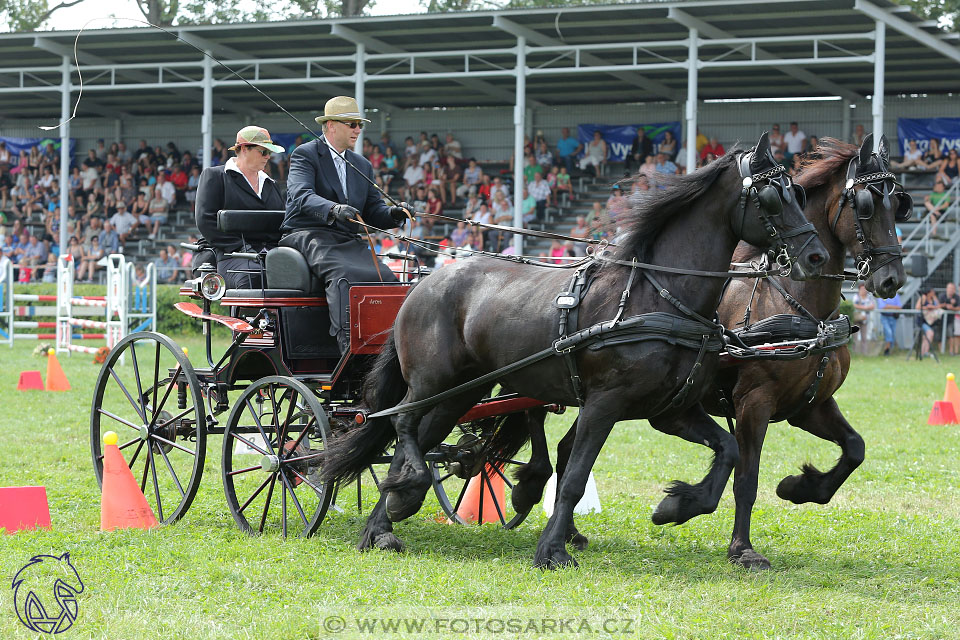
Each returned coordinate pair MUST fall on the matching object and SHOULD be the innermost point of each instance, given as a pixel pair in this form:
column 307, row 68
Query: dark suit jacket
column 221, row 189
column 313, row 187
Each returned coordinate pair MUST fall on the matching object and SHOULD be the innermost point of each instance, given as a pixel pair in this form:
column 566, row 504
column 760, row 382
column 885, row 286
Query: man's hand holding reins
column 342, row 213
column 402, row 212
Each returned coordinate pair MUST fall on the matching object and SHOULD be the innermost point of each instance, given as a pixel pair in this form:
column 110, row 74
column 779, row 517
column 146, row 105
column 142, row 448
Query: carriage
column 284, row 388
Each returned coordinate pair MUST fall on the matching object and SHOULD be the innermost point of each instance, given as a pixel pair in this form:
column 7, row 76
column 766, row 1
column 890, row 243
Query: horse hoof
column 579, row 541
column 750, row 559
column 668, row 511
column 556, row 559
column 397, row 509
column 388, row 542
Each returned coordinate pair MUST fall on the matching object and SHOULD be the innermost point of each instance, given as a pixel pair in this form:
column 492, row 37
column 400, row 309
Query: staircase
column 919, row 241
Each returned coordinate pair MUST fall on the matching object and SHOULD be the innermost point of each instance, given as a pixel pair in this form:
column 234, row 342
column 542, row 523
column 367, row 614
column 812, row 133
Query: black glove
column 342, row 213
column 399, row 212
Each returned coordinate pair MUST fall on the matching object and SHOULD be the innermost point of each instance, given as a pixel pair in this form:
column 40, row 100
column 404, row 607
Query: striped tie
column 341, row 172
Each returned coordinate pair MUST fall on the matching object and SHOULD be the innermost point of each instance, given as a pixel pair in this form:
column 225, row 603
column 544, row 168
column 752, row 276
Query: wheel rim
column 154, row 404
column 482, row 502
column 274, row 435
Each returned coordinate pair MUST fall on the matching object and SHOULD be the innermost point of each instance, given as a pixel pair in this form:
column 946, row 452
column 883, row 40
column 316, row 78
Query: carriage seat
column 288, row 276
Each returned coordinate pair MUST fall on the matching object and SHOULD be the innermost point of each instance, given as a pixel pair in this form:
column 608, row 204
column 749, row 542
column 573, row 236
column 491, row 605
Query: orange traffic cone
column 23, row 508
column 122, row 504
column 478, row 502
column 30, row 380
column 952, row 395
column 56, row 378
column 942, row 413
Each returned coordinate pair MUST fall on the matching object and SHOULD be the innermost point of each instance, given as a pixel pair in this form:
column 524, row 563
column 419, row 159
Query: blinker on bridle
column 769, row 200
column 884, row 184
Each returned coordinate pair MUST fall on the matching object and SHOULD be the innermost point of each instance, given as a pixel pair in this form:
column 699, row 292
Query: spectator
column 186, row 256
column 544, row 156
column 641, row 148
column 471, row 178
column 912, row 158
column 795, row 141
column 483, row 189
column 49, row 269
column 165, row 189
column 452, row 148
column 434, row 206
column 92, row 253
column 75, row 251
column 166, row 268
column 540, row 191
column 192, row 183
column 616, row 203
column 596, row 214
column 668, row 146
column 936, row 203
column 109, row 239
column 713, row 147
column 649, row 169
column 157, row 212
column 863, row 307
column 460, row 236
column 528, row 206
column 502, row 209
column 580, row 230
column 428, row 155
column 813, row 147
column 123, row 154
column 448, row 177
column 776, row 139
column 934, row 156
column 179, row 180
column 33, row 256
column 567, row 149
column 93, row 230
column 701, row 141
column 951, row 304
column 889, row 321
column 558, row 251
column 473, row 203
column 384, row 143
column 413, row 177
column 531, row 168
column 949, row 168
column 595, row 158
column 858, row 135
column 930, row 314
column 174, row 257
column 664, row 166
column 409, row 148
column 391, row 166
column 124, row 223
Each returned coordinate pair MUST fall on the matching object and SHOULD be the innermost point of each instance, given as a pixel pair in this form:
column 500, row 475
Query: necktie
column 341, row 172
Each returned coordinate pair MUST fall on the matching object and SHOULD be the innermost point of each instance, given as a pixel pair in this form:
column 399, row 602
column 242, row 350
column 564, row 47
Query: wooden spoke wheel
column 274, row 435
column 472, row 485
column 154, row 403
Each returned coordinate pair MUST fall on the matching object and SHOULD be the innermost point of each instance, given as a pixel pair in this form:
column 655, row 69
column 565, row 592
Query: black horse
column 854, row 204
column 480, row 315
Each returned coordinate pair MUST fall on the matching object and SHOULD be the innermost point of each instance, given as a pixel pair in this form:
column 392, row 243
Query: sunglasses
column 352, row 125
column 264, row 152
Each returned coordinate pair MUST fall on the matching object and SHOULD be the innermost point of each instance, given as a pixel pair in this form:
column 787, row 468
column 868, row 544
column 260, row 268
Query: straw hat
column 341, row 108
column 258, row 136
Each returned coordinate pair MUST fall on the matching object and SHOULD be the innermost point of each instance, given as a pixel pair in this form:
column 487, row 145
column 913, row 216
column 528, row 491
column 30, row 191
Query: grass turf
column 882, row 560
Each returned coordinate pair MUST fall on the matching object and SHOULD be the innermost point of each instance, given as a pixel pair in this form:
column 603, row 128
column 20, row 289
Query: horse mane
column 830, row 156
column 650, row 211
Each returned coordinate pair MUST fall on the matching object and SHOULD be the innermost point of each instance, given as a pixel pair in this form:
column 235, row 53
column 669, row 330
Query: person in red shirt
column 713, row 147
column 179, row 178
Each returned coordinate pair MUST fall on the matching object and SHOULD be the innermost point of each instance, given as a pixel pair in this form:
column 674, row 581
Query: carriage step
column 234, row 324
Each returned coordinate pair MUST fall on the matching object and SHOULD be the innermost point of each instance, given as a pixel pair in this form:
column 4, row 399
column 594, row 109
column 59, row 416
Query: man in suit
column 325, row 196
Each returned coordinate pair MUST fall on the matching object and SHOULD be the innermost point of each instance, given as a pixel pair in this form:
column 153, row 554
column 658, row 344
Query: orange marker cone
column 30, row 380
column 470, row 505
column 952, row 395
column 56, row 378
column 23, row 508
column 122, row 504
column 942, row 413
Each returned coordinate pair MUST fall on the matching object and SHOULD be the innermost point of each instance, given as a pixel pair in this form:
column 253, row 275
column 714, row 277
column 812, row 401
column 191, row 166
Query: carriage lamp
column 213, row 286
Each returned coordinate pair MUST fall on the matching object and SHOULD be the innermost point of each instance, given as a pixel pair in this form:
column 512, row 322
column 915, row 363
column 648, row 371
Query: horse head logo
column 45, row 594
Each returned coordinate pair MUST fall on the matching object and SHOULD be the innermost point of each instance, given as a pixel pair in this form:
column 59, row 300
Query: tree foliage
column 945, row 12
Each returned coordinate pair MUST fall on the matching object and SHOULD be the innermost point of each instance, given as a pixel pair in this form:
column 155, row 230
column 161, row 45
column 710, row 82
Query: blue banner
column 619, row 137
column 16, row 145
column 945, row 130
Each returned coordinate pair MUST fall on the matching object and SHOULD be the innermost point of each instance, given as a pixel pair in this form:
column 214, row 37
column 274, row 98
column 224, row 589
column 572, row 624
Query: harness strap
column 681, row 395
column 811, row 392
column 684, row 309
column 569, row 312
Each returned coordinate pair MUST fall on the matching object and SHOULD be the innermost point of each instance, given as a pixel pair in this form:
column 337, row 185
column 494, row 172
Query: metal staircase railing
column 922, row 242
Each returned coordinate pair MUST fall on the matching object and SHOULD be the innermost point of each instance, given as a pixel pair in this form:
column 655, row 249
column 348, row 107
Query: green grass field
column 882, row 560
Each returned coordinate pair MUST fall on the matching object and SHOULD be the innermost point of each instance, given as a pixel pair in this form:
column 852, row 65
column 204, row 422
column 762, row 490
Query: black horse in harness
column 648, row 344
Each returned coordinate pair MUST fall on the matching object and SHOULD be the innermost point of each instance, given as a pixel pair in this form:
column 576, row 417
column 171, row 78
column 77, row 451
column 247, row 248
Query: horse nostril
column 815, row 259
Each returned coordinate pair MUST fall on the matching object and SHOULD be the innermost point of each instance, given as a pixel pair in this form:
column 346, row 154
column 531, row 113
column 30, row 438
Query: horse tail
column 510, row 433
column 351, row 451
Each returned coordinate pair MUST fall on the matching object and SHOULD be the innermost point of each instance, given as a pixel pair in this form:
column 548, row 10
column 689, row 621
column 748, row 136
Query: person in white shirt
column 166, row 189
column 795, row 141
column 124, row 222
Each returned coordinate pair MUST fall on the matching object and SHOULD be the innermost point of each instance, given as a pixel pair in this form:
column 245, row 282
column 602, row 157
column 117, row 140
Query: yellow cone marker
column 50, row 352
column 185, row 352
column 110, row 437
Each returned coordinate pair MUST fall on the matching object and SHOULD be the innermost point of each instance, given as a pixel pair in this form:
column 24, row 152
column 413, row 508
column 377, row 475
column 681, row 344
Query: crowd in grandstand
column 118, row 195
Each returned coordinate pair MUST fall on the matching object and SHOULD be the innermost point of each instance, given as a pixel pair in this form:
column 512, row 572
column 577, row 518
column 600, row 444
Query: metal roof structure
column 685, row 50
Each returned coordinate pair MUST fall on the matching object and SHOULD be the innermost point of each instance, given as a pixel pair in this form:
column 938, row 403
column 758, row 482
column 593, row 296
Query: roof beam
column 374, row 44
column 140, row 76
column 907, row 29
column 59, row 50
column 803, row 75
column 223, row 51
column 630, row 77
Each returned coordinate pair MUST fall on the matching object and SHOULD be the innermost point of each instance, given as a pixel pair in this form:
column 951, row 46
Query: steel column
column 358, row 87
column 206, row 120
column 880, row 53
column 519, row 116
column 845, row 119
column 64, row 152
column 692, row 62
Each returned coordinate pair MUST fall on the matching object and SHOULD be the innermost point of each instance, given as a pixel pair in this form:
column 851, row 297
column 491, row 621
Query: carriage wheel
column 154, row 404
column 467, row 481
column 275, row 433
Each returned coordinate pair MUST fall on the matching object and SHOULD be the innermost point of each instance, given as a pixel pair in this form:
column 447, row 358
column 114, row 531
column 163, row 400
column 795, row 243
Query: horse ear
column 884, row 150
column 866, row 148
column 65, row 557
column 760, row 154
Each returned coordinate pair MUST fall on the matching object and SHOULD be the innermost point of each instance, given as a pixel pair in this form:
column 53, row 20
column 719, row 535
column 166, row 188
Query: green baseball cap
column 258, row 136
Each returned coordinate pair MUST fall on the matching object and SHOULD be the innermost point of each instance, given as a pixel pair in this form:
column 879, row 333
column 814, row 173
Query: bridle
column 777, row 188
column 884, row 184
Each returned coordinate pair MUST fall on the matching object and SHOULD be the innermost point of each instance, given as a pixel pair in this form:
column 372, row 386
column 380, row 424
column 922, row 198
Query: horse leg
column 533, row 476
column 378, row 531
column 824, row 421
column 564, row 447
column 754, row 413
column 685, row 501
column 596, row 420
column 406, row 489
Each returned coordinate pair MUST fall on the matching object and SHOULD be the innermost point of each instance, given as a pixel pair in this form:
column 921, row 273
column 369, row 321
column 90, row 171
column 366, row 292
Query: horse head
column 770, row 214
column 45, row 593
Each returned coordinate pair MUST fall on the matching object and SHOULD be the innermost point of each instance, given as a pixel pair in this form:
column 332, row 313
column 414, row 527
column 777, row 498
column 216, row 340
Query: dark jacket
column 221, row 189
column 313, row 187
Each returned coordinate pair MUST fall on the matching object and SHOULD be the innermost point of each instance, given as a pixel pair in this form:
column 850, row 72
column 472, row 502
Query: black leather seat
column 288, row 269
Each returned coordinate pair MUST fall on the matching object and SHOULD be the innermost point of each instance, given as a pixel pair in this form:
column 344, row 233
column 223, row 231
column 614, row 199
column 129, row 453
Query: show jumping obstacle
column 128, row 302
